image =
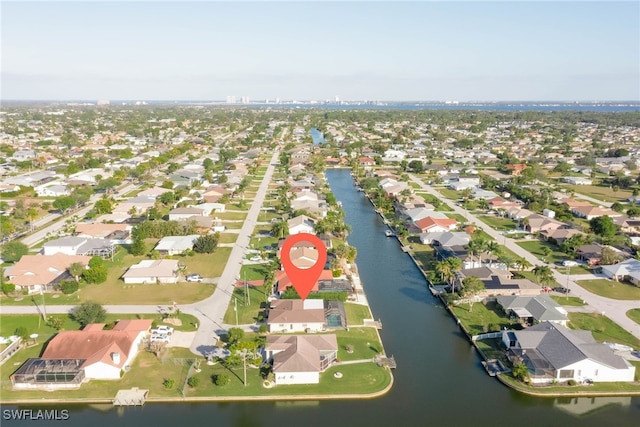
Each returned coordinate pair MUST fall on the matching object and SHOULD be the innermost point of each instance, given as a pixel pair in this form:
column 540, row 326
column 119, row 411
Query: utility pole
column 44, row 309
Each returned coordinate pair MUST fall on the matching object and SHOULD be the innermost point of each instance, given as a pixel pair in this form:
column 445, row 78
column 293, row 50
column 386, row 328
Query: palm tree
column 543, row 273
column 492, row 248
column 523, row 264
column 475, row 247
column 76, row 269
column 280, row 229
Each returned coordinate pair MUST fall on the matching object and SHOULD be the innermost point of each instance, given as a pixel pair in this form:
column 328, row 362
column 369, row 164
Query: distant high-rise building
column 337, row 99
column 244, row 100
column 231, row 99
column 103, row 102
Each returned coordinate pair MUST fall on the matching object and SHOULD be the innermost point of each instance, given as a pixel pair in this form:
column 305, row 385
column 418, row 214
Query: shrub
column 69, row 286
column 8, row 288
column 193, row 381
column 221, row 380
column 571, row 382
column 55, row 322
column 168, row 383
column 263, row 328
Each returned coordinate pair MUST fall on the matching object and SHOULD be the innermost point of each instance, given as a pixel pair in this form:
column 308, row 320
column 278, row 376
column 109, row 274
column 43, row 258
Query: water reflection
column 586, row 405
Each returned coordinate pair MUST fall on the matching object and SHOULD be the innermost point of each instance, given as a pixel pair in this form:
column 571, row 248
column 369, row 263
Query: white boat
column 389, row 233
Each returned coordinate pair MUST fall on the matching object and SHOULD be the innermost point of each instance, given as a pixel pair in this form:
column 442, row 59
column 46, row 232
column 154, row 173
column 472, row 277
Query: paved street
column 614, row 309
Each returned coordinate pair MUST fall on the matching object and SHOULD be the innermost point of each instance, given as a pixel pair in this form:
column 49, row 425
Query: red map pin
column 303, row 279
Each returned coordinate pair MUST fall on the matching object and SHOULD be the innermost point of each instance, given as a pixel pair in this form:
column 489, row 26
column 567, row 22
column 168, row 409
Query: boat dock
column 373, row 323
column 132, row 397
column 385, row 361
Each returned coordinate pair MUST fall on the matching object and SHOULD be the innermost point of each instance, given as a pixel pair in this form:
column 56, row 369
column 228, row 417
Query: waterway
column 316, row 136
column 439, row 380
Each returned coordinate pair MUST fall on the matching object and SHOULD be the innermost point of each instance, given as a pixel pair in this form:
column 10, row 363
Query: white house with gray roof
column 552, row 353
column 173, row 245
column 530, row 309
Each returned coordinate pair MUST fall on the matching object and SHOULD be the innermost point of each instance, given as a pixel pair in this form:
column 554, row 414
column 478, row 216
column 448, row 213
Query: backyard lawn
column 481, row 317
column 567, row 300
column 228, row 238
column 611, row 289
column 356, row 313
column 231, row 215
column 248, row 308
column 603, row 328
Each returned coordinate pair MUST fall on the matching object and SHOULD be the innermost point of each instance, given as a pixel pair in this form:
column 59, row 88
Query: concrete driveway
column 181, row 339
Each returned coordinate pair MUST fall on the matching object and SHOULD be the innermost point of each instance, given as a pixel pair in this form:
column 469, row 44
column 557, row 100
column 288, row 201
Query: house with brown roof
column 41, row 272
column 92, row 353
column 590, row 212
column 294, row 315
column 299, row 359
column 591, row 254
column 283, row 282
column 558, row 236
column 113, row 232
column 517, row 168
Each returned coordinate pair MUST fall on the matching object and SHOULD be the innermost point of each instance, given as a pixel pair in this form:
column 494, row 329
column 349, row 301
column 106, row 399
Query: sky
column 319, row 50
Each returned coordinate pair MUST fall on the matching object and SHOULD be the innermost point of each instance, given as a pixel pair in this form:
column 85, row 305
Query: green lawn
column 481, row 316
column 356, row 313
column 535, row 247
column 611, row 289
column 365, row 343
column 493, row 348
column 634, row 314
column 248, row 308
column 254, row 271
column 531, row 276
column 449, row 193
column 361, row 378
column 461, row 219
column 228, row 238
column 259, row 242
column 603, row 328
column 231, row 215
column 567, row 300
column 498, row 223
column 114, row 291
column 606, row 387
column 600, row 192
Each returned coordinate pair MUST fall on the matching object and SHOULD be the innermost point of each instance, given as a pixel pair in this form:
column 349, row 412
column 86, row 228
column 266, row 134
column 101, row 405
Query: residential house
column 628, row 225
column 429, row 224
column 533, row 309
column 283, row 282
column 299, row 359
column 152, row 271
column 590, row 212
column 90, row 354
column 138, row 204
column 577, row 180
column 558, row 236
column 537, row 223
column 291, row 315
column 37, row 273
column 498, row 202
column 591, row 254
column 366, row 163
column 154, row 192
column 552, row 353
column 174, row 245
column 117, row 233
column 460, row 182
column 625, row 270
column 52, row 190
column 180, row 214
column 80, row 246
column 301, row 224
column 500, row 282
column 446, row 238
column 215, row 193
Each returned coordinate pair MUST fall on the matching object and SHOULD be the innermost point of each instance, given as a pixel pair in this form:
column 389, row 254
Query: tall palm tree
column 475, row 247
column 543, row 274
column 492, row 248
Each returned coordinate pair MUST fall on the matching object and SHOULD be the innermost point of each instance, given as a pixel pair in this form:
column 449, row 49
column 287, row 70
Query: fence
column 486, row 336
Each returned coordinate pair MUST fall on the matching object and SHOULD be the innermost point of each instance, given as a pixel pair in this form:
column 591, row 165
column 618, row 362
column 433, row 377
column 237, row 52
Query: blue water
column 317, row 136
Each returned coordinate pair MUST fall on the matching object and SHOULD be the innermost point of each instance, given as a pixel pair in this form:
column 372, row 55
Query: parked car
column 160, row 338
column 562, row 290
column 255, row 258
column 162, row 330
column 195, row 277
column 569, row 263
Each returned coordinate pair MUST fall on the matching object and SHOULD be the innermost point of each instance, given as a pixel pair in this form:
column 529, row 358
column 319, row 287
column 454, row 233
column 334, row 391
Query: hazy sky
column 366, row 50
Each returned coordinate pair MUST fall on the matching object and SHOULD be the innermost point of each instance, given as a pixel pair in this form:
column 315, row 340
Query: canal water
column 317, row 136
column 439, row 380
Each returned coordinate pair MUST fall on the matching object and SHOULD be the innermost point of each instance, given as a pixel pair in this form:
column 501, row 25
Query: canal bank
column 439, row 380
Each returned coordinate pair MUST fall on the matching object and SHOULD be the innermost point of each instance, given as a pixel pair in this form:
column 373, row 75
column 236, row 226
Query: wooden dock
column 385, row 361
column 373, row 323
column 132, row 397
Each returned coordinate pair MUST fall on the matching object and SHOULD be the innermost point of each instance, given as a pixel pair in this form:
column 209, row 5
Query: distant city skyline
column 309, row 50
